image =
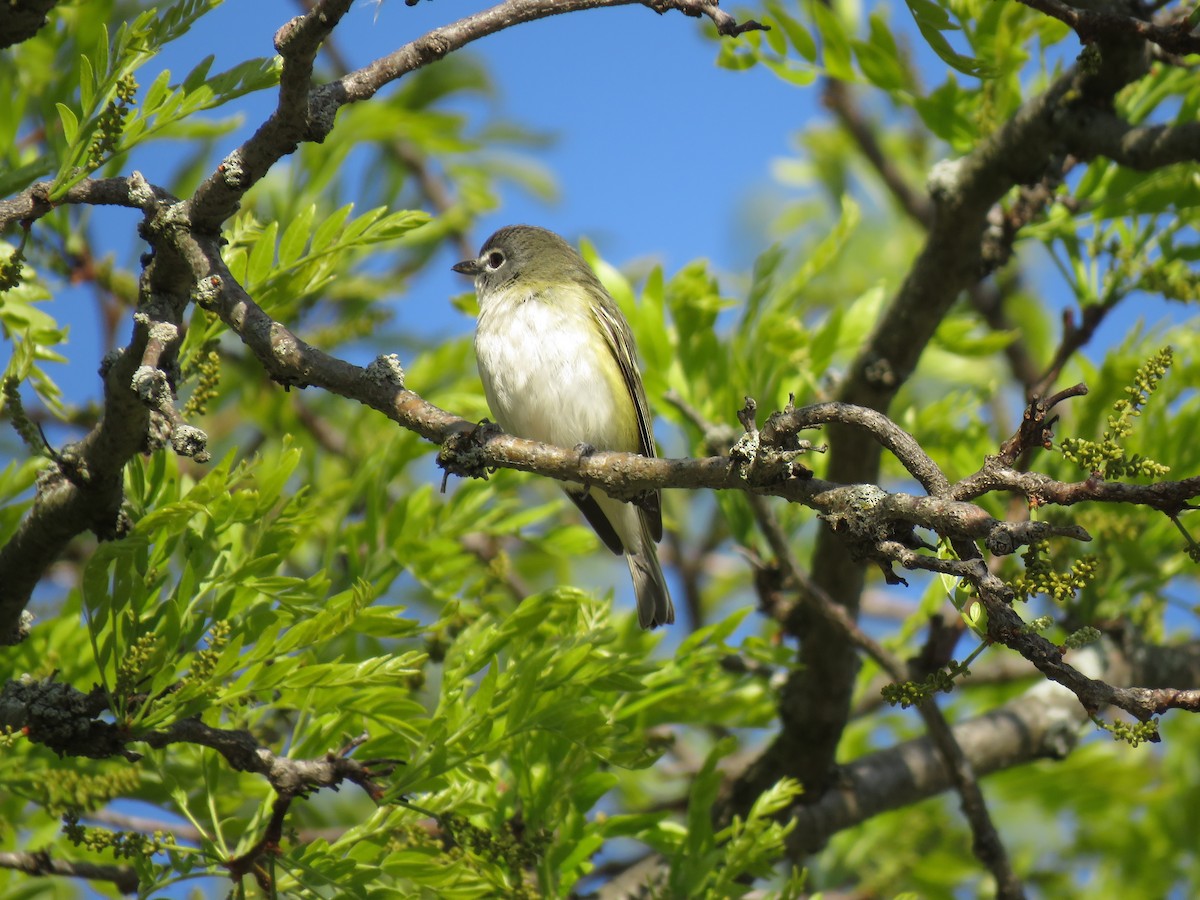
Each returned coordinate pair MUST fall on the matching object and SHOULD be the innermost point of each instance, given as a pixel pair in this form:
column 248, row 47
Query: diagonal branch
column 84, row 489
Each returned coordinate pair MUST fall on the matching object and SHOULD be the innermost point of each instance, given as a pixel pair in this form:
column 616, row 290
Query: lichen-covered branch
column 71, row 723
column 84, row 488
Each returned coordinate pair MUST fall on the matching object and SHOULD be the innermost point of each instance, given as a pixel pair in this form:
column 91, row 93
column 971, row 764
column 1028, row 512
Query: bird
column 558, row 364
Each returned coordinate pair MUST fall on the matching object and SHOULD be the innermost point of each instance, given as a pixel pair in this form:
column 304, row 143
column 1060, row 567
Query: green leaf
column 736, row 58
column 328, row 230
column 262, row 256
column 776, row 39
column 836, row 56
column 962, row 336
column 87, row 82
column 199, row 74
column 157, row 92
column 797, row 34
column 932, row 19
column 295, row 236
column 932, row 14
column 880, row 59
column 70, row 122
column 792, row 74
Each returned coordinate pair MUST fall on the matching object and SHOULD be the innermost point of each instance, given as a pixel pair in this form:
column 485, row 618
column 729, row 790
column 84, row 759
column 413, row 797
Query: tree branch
column 1096, row 24
column 1043, row 723
column 289, row 777
column 69, row 723
column 1098, row 132
column 84, row 489
column 23, row 19
column 34, row 202
column 815, row 702
column 855, row 509
column 123, row 878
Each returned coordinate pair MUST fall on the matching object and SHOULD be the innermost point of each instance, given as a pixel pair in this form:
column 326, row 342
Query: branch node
column 386, row 369
column 462, row 454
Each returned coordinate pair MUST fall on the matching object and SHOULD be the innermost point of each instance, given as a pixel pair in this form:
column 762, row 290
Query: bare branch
column 289, row 777
column 1006, row 627
column 295, row 119
column 1170, row 497
column 889, row 435
column 365, row 82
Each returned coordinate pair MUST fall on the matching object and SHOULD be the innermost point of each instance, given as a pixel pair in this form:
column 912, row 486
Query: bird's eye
column 495, row 259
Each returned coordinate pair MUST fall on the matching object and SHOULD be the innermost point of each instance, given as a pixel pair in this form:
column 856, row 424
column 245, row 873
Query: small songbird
column 558, row 365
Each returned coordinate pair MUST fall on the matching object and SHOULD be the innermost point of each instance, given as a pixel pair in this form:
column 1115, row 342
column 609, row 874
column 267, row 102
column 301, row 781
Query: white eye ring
column 494, row 260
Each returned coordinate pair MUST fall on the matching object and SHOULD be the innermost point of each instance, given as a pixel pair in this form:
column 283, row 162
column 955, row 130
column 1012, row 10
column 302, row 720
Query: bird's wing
column 595, row 515
column 620, row 343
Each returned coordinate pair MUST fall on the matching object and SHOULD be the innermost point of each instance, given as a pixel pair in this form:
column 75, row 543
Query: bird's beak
column 467, row 267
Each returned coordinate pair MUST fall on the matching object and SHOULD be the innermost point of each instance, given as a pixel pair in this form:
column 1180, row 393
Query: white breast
column 545, row 379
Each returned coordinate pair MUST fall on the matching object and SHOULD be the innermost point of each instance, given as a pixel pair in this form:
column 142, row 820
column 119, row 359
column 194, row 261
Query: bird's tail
column 654, row 604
